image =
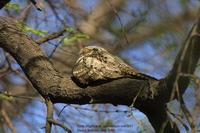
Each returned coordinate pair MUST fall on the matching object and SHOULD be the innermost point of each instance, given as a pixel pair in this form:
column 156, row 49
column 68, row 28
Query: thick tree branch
column 61, row 89
column 186, row 61
column 58, row 87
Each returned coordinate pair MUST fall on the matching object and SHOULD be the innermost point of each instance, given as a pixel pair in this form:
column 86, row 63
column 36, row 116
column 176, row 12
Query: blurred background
column 147, row 34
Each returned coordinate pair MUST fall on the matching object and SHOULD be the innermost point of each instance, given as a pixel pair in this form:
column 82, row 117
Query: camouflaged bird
column 96, row 65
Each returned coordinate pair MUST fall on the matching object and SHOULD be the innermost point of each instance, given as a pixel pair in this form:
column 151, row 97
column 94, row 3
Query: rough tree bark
column 60, row 88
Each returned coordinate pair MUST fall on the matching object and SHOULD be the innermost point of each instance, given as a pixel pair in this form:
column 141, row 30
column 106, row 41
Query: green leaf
column 75, row 37
column 70, row 30
column 37, row 32
column 3, row 96
column 68, row 40
column 12, row 6
column 26, row 28
column 82, row 36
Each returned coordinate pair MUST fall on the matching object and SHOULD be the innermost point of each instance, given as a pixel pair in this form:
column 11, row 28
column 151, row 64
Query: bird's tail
column 142, row 76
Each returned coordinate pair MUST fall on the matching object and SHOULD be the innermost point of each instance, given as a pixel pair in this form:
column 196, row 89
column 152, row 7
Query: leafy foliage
column 13, row 6
column 3, row 96
column 26, row 28
column 73, row 36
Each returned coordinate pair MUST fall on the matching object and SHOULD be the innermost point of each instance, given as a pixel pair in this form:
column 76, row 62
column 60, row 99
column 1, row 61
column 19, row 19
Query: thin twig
column 36, row 5
column 62, row 110
column 54, row 50
column 192, row 76
column 8, row 121
column 25, row 13
column 120, row 21
column 179, row 118
column 49, row 105
column 52, row 6
column 51, row 36
column 135, row 98
column 20, row 96
column 186, row 111
column 55, row 122
column 94, row 110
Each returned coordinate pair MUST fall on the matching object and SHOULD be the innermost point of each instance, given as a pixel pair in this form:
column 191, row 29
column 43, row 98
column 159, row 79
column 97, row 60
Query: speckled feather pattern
column 97, row 64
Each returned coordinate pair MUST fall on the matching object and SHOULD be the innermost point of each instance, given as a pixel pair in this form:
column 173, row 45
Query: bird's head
column 90, row 50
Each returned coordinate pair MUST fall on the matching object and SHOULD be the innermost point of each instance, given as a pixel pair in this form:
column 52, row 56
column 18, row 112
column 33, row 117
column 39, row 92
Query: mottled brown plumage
column 96, row 65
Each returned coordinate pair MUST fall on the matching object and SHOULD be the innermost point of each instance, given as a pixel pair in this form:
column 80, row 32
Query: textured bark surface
column 51, row 83
column 61, row 89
